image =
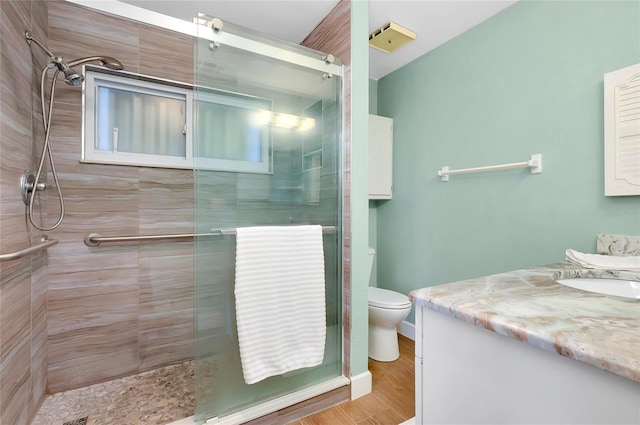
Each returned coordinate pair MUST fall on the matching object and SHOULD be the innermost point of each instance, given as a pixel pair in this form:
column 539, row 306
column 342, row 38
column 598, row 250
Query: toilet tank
column 372, row 254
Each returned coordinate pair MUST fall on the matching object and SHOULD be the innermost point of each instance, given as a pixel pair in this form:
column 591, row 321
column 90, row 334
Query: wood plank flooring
column 391, row 402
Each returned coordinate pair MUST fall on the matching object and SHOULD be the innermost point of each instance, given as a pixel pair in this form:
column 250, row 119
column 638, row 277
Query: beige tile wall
column 22, row 282
column 116, row 310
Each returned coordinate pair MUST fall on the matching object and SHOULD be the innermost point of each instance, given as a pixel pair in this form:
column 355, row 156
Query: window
column 134, row 120
column 231, row 134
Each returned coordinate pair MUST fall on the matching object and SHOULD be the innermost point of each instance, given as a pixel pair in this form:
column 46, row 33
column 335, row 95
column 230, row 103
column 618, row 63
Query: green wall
column 529, row 80
column 359, row 186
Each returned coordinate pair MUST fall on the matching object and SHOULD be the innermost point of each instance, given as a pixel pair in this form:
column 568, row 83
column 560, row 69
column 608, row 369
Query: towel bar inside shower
column 95, row 239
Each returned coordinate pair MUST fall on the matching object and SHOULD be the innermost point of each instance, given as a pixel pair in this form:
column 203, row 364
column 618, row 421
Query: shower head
column 72, row 77
column 106, row 61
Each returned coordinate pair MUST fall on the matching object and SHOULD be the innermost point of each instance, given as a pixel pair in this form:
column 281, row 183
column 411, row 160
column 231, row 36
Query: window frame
column 121, row 80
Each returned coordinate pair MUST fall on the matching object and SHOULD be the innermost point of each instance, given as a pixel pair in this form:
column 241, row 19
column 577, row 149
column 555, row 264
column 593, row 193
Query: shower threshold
column 272, row 405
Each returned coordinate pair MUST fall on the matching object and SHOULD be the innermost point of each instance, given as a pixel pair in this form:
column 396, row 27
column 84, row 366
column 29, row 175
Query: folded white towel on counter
column 280, row 299
column 604, row 262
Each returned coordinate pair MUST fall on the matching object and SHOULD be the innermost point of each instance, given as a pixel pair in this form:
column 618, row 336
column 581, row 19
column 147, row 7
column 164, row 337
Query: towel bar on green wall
column 534, row 164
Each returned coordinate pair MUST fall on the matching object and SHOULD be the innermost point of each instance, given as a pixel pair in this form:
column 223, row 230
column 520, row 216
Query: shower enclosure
column 113, row 300
column 267, row 137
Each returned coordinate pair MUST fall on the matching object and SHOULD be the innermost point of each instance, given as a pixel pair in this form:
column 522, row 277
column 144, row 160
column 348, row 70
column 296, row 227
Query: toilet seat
column 384, row 298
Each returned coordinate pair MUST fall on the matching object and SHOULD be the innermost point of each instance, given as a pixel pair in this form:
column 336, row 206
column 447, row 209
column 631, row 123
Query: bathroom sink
column 620, row 288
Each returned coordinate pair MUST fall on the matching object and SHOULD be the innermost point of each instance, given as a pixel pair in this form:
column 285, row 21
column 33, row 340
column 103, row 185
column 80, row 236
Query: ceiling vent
column 390, row 37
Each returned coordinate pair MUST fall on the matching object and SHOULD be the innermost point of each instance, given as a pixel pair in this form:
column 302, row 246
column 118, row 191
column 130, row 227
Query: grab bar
column 534, row 163
column 95, row 239
column 44, row 244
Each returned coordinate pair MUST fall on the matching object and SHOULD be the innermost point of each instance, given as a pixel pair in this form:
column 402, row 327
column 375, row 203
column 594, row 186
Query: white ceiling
column 434, row 21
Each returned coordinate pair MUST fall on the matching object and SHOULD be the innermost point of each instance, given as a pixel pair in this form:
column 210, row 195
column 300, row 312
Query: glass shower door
column 267, row 135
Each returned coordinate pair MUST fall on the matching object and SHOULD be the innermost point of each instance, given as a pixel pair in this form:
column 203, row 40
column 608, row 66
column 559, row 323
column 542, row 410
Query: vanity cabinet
column 520, row 348
column 380, row 157
column 469, row 375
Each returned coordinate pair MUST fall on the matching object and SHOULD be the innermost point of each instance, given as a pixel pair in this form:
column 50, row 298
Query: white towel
column 280, row 299
column 604, row 262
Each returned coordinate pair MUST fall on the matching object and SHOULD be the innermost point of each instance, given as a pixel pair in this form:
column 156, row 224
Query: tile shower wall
column 112, row 310
column 23, row 323
column 116, row 310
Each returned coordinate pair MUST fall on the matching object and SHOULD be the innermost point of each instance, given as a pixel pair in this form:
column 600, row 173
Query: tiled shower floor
column 157, row 397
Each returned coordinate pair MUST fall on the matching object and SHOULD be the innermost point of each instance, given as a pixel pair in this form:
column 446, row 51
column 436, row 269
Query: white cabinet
column 466, row 374
column 380, row 157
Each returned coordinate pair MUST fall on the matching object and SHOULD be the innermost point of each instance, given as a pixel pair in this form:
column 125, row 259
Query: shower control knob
column 27, row 183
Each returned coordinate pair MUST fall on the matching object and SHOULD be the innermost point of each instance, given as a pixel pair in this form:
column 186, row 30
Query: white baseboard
column 411, row 421
column 361, row 385
column 407, row 329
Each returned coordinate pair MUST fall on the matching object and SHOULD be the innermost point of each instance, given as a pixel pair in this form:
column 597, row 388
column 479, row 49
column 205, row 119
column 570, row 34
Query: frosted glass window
column 140, row 123
column 232, row 132
column 229, row 132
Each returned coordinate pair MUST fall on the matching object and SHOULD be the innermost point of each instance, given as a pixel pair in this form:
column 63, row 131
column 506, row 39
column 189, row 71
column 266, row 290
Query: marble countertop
column 529, row 306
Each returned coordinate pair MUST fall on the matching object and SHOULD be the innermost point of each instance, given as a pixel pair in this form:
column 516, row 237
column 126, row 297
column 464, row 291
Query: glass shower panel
column 289, row 116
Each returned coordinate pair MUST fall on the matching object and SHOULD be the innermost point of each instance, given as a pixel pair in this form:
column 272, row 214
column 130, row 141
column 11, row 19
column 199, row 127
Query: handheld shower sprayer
column 30, row 184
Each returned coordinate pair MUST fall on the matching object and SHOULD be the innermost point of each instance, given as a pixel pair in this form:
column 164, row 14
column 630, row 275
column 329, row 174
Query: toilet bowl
column 386, row 310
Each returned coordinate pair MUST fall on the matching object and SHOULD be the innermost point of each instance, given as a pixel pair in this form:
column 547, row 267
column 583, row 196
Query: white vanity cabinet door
column 466, row 374
column 380, row 157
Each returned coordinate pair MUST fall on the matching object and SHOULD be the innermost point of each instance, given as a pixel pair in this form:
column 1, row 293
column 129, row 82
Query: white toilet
column 386, row 310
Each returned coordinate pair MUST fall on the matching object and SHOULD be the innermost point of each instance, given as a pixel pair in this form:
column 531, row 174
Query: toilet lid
column 384, row 298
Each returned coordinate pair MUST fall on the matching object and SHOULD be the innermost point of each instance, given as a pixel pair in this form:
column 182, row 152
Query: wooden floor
column 391, row 402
